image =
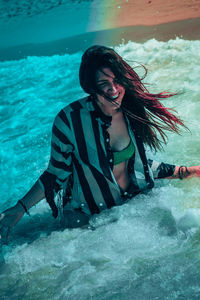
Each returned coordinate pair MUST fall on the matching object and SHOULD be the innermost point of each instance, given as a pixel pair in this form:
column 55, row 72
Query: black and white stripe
column 79, row 148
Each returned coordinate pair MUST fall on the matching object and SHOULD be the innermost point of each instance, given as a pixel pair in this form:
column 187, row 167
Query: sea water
column 149, row 248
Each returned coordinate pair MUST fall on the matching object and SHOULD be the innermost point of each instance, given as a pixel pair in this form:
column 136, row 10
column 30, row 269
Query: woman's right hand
column 8, row 219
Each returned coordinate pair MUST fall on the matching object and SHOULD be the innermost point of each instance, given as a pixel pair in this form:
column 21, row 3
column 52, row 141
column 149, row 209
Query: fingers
column 4, row 231
column 5, row 234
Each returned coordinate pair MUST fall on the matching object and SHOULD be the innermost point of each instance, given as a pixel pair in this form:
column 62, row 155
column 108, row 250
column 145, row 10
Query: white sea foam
column 145, row 249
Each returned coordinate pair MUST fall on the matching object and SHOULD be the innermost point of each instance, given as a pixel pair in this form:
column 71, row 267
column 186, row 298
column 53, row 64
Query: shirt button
column 82, row 204
column 107, row 140
column 125, row 193
column 78, row 221
column 111, row 160
column 101, row 204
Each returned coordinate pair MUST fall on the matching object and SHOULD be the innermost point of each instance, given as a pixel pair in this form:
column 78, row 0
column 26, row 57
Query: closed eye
column 103, row 84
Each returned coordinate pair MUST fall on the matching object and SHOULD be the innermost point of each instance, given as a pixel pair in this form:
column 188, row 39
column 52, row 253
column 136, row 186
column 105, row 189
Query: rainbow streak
column 102, row 17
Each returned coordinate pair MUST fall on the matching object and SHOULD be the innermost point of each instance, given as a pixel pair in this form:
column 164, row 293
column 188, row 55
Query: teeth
column 114, row 97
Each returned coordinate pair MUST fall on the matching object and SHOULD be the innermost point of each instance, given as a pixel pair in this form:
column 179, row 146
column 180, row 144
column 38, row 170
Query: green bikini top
column 125, row 154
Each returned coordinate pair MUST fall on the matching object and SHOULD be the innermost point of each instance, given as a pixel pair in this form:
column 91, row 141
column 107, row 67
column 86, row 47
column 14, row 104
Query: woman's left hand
column 182, row 172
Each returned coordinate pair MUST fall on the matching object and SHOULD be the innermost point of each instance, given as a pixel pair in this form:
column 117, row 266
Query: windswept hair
column 146, row 114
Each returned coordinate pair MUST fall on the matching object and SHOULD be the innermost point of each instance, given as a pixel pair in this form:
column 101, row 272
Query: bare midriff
column 121, row 175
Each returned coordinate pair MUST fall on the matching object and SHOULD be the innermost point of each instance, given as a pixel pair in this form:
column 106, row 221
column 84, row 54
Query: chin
column 118, row 102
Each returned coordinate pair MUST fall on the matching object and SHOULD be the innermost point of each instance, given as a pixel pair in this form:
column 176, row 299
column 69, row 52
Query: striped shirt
column 81, row 162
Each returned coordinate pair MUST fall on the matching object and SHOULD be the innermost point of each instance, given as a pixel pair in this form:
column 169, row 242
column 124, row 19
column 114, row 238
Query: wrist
column 183, row 172
column 23, row 206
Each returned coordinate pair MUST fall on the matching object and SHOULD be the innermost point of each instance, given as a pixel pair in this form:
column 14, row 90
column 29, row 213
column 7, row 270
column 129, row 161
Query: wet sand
column 154, row 12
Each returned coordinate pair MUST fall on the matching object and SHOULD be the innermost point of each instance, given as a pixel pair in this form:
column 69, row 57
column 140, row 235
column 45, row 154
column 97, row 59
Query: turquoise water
column 145, row 249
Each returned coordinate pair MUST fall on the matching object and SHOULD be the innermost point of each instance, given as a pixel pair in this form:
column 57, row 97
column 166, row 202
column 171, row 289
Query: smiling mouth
column 113, row 98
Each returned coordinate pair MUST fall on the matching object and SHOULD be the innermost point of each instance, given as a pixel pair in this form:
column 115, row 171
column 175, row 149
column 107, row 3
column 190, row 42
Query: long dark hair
column 145, row 112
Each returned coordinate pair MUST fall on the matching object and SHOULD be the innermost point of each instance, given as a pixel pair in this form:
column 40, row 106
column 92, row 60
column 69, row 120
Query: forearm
column 163, row 170
column 34, row 195
column 182, row 172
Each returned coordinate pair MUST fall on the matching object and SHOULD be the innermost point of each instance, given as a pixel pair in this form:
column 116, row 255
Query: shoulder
column 71, row 111
column 78, row 105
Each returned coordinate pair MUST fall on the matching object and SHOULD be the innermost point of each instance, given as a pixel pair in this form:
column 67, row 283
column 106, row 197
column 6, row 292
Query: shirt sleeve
column 161, row 169
column 60, row 164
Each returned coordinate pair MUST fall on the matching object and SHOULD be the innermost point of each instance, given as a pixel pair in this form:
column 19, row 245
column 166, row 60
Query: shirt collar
column 98, row 112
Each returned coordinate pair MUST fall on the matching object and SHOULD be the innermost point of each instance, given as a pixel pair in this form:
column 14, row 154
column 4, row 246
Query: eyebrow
column 98, row 80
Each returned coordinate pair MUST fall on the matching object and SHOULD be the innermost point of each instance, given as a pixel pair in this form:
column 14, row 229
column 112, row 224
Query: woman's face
column 113, row 92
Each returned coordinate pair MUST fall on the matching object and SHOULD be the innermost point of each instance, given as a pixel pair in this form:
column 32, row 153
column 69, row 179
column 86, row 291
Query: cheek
column 120, row 87
column 100, row 98
column 122, row 91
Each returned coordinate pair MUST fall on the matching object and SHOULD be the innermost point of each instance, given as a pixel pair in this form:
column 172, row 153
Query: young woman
column 98, row 157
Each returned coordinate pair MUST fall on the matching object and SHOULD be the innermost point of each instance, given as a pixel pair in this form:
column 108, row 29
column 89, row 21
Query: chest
column 118, row 132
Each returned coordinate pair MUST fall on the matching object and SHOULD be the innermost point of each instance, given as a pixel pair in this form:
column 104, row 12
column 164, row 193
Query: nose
column 113, row 87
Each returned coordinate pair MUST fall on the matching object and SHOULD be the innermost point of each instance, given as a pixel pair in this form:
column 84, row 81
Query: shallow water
column 145, row 249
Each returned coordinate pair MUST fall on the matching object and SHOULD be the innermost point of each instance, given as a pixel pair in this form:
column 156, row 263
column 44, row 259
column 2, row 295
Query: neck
column 109, row 111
